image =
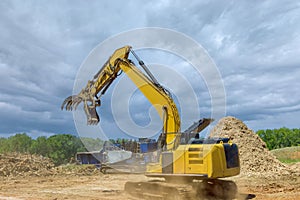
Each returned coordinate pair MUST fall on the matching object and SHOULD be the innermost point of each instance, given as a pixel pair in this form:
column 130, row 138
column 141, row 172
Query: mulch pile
column 255, row 158
column 17, row 164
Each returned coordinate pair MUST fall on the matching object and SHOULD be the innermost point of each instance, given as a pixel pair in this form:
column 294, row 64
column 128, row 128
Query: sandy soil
column 111, row 186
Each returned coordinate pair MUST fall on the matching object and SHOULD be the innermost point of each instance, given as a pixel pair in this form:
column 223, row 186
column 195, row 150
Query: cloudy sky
column 255, row 45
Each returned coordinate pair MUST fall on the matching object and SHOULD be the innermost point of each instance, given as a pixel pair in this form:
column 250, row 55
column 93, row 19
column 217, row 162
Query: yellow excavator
column 184, row 158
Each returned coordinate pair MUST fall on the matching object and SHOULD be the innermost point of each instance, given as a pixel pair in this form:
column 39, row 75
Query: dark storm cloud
column 254, row 44
column 42, row 46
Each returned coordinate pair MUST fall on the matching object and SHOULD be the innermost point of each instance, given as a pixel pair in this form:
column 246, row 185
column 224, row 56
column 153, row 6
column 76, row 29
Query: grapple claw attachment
column 72, row 102
column 92, row 115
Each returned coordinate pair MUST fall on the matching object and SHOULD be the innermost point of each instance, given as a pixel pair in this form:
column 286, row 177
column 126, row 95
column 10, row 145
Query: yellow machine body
column 213, row 160
column 203, row 160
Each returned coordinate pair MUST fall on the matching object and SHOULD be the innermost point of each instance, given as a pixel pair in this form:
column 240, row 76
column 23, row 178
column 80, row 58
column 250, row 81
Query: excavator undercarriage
column 181, row 188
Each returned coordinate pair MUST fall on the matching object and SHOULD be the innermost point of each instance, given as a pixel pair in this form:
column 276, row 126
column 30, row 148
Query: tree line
column 61, row 148
column 279, row 138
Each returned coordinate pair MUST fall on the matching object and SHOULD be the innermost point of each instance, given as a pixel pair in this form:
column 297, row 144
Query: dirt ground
column 34, row 177
column 111, row 186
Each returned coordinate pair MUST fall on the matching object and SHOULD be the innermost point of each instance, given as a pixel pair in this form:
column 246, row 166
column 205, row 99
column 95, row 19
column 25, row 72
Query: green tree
column 62, row 148
column 40, row 146
column 4, row 147
column 19, row 143
column 279, row 138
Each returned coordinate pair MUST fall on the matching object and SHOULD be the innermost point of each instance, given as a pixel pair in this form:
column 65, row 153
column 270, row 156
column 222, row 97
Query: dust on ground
column 35, row 177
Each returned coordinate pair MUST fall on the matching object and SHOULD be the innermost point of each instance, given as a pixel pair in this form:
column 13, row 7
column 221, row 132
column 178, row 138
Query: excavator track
column 159, row 190
column 205, row 189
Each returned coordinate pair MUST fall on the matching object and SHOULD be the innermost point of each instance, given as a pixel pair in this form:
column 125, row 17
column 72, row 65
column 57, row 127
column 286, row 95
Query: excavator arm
column 100, row 83
column 158, row 96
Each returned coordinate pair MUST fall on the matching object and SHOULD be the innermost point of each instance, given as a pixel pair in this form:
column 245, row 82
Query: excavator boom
column 158, row 96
